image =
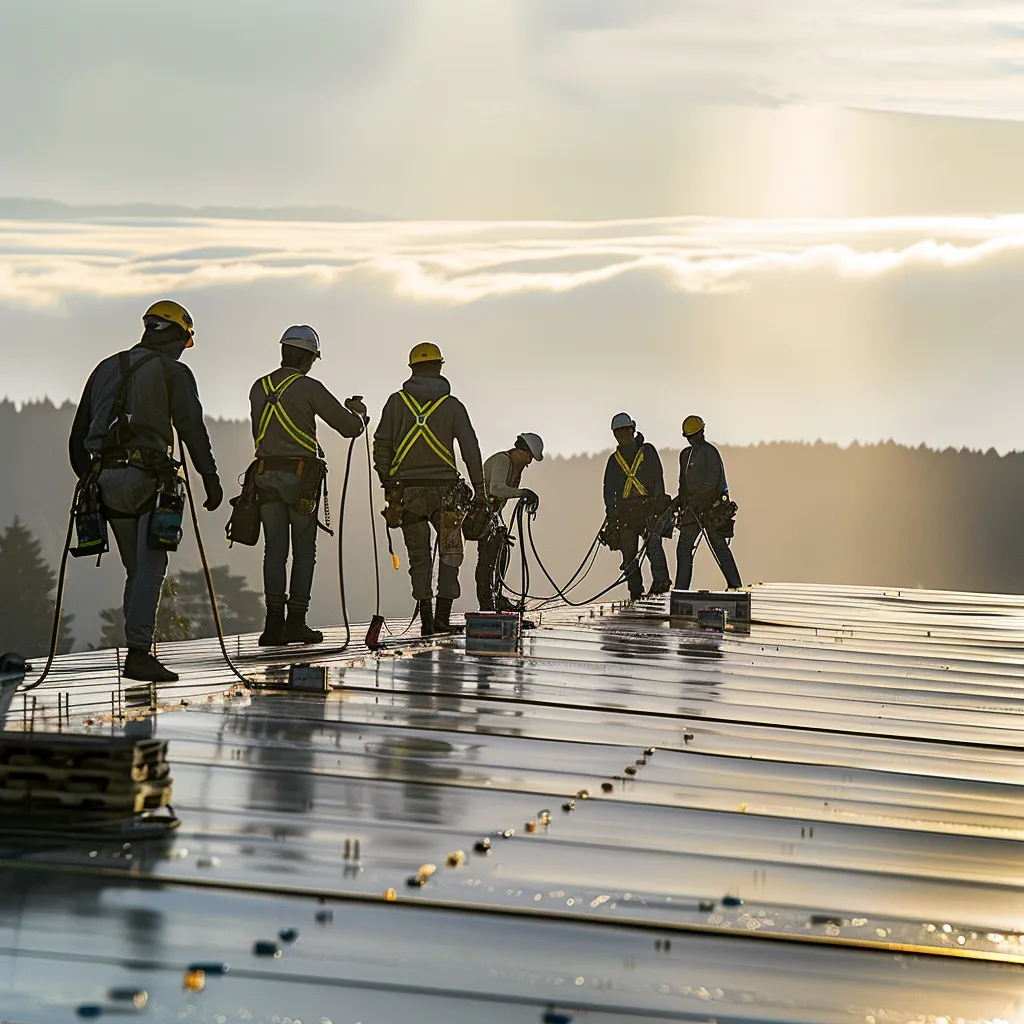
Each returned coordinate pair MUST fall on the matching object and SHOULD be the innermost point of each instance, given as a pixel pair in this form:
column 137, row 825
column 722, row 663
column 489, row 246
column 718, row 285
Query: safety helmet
column 692, row 425
column 425, row 352
column 171, row 312
column 621, row 420
column 533, row 444
column 302, row 336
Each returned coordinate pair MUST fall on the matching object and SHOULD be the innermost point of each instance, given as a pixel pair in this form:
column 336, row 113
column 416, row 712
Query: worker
column 124, row 431
column 290, row 475
column 503, row 472
column 635, row 504
column 702, row 507
column 413, row 455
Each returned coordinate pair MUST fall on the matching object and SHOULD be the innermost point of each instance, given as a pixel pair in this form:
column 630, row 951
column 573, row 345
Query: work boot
column 426, row 607
column 659, row 587
column 141, row 665
column 273, row 629
column 296, row 631
column 443, row 615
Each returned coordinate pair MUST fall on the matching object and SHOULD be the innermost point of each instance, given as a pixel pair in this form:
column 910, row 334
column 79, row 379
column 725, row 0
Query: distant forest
column 873, row 514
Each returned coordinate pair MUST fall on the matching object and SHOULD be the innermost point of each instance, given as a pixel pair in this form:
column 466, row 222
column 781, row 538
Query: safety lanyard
column 421, row 414
column 273, row 410
column 632, row 483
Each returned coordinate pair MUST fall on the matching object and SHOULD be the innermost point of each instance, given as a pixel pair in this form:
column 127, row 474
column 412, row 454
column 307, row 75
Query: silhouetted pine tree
column 241, row 609
column 27, row 585
column 171, row 621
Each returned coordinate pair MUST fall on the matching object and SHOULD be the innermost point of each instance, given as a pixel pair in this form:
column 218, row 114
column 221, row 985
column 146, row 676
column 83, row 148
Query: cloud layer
column 455, row 263
column 840, row 329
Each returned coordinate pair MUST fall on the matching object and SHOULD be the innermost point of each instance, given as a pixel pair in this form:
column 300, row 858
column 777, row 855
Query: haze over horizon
column 803, row 222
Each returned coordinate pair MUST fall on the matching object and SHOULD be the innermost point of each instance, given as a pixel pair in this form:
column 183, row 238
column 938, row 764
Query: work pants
column 126, row 491
column 284, row 528
column 630, row 540
column 421, row 510
column 488, row 553
column 689, row 540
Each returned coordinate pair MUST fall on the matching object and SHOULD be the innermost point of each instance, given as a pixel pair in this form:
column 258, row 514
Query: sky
column 802, row 219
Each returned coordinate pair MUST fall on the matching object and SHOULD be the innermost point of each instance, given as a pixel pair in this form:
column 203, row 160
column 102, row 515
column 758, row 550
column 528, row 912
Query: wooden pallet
column 42, row 773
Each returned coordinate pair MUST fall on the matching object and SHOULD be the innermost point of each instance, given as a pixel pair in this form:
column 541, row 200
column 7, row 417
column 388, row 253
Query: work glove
column 214, row 492
column 355, row 404
column 531, row 499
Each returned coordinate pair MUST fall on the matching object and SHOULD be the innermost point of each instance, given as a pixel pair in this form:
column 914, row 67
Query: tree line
column 28, row 601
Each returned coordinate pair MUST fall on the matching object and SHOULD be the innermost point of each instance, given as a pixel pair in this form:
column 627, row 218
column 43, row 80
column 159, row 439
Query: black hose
column 341, row 545
column 58, row 603
column 373, row 523
column 207, row 573
column 636, row 562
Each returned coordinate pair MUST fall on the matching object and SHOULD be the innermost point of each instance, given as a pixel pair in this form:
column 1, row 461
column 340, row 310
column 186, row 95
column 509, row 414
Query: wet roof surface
column 816, row 821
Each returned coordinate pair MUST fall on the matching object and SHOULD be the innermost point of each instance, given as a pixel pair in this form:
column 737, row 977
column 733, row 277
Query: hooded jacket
column 161, row 396
column 701, row 475
column 303, row 401
column 448, row 423
column 649, row 473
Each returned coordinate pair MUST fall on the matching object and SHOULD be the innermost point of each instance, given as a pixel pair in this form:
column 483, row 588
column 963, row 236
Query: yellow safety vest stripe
column 632, row 483
column 420, row 429
column 272, row 410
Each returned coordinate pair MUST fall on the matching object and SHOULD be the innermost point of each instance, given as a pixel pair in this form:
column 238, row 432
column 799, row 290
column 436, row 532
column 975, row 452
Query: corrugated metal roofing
column 828, row 828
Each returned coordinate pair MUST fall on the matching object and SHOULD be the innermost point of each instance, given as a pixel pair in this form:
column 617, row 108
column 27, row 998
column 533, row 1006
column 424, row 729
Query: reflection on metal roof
column 815, row 821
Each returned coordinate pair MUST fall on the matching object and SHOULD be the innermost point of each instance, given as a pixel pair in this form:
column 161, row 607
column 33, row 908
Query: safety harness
column 632, row 483
column 420, row 428
column 313, row 472
column 274, row 410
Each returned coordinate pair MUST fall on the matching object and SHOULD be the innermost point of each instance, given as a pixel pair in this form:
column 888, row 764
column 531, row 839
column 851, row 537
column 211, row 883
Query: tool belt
column 140, row 458
column 455, row 496
column 450, row 499
column 719, row 517
column 311, row 471
column 640, row 513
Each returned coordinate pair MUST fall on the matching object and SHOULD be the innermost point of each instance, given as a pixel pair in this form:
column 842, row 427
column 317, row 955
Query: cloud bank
column 455, row 263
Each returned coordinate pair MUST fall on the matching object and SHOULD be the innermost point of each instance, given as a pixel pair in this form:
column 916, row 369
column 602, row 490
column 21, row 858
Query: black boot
column 143, row 666
column 426, row 607
column 295, row 629
column 443, row 615
column 273, row 628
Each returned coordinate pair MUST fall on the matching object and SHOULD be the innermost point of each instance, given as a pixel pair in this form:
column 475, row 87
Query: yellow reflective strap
column 273, row 410
column 632, row 483
column 420, row 428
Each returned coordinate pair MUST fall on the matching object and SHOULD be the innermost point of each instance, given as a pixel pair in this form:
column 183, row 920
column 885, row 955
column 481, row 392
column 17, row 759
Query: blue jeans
column 284, row 528
column 630, row 540
column 125, row 491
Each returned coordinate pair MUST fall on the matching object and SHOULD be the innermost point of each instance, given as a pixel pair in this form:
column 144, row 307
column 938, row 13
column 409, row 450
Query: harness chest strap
column 421, row 429
column 632, row 483
column 274, row 410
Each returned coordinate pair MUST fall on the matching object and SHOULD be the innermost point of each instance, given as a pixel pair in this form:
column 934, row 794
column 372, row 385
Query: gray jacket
column 449, row 423
column 701, row 476
column 502, row 477
column 303, row 401
column 161, row 396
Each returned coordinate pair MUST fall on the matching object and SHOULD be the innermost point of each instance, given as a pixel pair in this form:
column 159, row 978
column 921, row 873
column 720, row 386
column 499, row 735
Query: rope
column 206, row 570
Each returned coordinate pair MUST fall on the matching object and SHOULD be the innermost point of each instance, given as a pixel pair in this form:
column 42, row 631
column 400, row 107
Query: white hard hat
column 622, row 419
column 534, row 444
column 302, row 336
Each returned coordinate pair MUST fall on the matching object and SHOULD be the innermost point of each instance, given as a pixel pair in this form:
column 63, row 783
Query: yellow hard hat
column 692, row 425
column 175, row 313
column 425, row 352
